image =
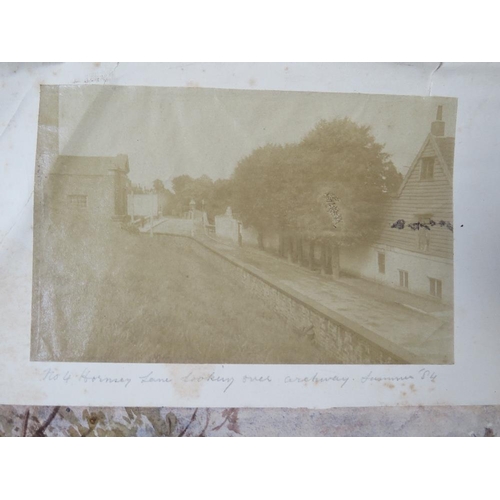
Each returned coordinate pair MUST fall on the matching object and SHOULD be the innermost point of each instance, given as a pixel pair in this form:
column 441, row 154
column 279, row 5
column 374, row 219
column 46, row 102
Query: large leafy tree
column 260, row 196
column 348, row 170
column 331, row 189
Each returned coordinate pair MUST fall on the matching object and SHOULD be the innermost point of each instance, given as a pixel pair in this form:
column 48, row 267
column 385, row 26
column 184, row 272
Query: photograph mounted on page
column 211, row 226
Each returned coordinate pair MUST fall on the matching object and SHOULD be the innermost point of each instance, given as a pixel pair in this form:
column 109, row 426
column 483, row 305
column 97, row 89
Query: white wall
column 363, row 262
column 226, row 227
column 140, row 204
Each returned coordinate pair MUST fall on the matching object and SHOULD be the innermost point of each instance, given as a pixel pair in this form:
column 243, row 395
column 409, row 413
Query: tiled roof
column 89, row 165
column 447, row 147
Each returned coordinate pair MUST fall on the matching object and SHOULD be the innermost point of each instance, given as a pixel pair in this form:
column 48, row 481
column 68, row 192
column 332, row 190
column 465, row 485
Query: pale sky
column 168, row 132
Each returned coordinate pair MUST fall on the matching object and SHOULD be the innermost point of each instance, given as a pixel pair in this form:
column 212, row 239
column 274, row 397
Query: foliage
column 158, row 186
column 138, row 189
column 263, row 193
column 213, row 197
column 337, row 168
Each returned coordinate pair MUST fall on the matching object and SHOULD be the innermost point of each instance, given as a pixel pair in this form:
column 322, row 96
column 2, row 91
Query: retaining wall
column 346, row 341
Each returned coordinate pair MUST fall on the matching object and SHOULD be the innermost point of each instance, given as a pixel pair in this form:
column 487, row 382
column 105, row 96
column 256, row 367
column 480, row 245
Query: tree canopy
column 333, row 184
column 158, row 186
column 214, row 197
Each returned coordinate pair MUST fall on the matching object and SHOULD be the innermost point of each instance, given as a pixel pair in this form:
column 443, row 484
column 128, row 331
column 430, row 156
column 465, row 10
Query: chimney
column 437, row 127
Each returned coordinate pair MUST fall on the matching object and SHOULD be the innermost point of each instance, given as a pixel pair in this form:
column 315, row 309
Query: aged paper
column 242, row 227
column 222, row 247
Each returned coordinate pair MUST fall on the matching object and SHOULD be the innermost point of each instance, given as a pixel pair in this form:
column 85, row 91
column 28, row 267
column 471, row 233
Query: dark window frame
column 404, row 278
column 381, row 262
column 427, row 164
column 436, row 287
column 75, row 201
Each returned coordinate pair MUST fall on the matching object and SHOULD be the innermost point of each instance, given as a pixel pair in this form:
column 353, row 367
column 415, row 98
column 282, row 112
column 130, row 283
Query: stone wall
column 98, row 190
column 346, row 341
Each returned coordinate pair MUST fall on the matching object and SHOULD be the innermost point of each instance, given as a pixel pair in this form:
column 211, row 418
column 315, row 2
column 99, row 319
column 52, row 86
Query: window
column 424, row 232
column 427, row 168
column 78, row 200
column 381, row 263
column 435, row 287
column 403, row 278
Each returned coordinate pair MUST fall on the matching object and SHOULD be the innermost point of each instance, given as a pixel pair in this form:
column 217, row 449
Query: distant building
column 143, row 205
column 415, row 249
column 91, row 185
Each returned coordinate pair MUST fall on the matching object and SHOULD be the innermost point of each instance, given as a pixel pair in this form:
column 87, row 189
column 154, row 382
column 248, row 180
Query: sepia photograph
column 217, row 226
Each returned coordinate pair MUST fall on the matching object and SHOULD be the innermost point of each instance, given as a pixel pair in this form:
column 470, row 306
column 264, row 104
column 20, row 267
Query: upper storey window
column 427, row 168
column 78, row 200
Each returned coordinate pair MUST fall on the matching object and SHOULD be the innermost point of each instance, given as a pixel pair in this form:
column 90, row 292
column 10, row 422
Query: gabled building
column 415, row 249
column 93, row 186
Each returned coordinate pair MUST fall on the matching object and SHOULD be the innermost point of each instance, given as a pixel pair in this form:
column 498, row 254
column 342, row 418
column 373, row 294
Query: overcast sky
column 168, row 132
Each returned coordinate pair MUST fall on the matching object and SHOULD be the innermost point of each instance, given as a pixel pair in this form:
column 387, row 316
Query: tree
column 259, row 189
column 158, row 186
column 220, row 198
column 186, row 189
column 137, row 189
column 331, row 188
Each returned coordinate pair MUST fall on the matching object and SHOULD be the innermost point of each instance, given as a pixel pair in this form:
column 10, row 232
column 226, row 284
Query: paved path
column 421, row 326
column 169, row 225
column 427, row 334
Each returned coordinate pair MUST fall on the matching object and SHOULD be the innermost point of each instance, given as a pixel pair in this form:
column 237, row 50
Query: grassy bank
column 112, row 296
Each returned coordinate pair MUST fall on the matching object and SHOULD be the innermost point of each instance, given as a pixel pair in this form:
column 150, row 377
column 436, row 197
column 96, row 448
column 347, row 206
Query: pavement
column 169, row 225
column 422, row 326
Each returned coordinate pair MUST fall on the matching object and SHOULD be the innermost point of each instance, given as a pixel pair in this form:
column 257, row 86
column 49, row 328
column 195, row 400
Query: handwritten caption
column 226, row 383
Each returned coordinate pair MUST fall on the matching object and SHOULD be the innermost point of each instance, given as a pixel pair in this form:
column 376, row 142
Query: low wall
column 345, row 340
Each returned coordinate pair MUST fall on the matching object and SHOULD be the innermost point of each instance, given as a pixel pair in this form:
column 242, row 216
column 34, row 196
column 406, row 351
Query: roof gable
column 444, row 149
column 446, row 146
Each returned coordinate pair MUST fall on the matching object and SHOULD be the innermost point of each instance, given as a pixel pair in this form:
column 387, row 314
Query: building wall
column 363, row 262
column 99, row 190
column 120, row 193
column 421, row 197
column 401, row 246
